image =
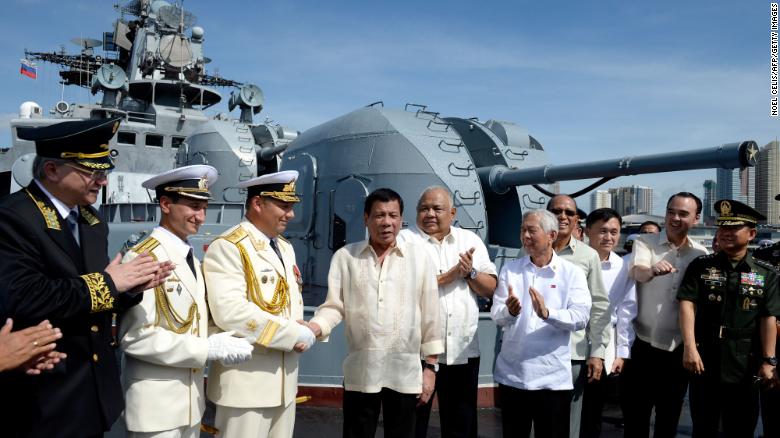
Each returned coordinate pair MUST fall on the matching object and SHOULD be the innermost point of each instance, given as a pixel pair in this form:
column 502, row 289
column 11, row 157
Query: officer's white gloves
column 305, row 336
column 229, row 349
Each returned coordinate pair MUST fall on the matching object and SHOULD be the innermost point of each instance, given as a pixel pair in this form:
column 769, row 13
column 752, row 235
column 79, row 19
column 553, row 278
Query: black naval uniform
column 729, row 300
column 44, row 274
column 770, row 398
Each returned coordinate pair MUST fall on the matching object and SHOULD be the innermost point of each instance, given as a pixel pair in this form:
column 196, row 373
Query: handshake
column 228, row 349
column 308, row 332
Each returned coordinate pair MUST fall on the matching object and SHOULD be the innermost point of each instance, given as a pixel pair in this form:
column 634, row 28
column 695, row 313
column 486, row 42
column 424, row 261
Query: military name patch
column 751, row 278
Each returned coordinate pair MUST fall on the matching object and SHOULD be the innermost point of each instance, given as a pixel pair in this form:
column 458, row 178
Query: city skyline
column 768, row 182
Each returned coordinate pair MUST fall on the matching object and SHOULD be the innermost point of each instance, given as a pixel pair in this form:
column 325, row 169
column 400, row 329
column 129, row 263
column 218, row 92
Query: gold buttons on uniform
column 94, row 329
column 95, row 357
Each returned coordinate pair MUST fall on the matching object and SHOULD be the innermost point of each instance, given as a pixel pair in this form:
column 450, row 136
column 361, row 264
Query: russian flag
column 28, row 69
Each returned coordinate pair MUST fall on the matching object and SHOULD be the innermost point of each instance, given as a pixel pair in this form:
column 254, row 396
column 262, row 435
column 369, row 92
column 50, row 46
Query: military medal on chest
column 714, row 277
column 751, row 288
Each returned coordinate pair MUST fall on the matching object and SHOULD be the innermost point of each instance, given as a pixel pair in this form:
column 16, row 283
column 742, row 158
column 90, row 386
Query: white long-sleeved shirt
column 390, row 311
column 622, row 302
column 458, row 306
column 535, row 353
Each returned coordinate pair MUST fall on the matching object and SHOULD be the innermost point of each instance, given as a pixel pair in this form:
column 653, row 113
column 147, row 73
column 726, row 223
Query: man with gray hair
column 463, row 271
column 540, row 300
column 588, row 345
column 55, row 267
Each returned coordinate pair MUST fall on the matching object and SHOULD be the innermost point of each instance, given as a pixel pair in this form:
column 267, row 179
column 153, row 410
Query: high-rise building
column 632, row 200
column 710, row 196
column 600, row 199
column 737, row 184
column 768, row 182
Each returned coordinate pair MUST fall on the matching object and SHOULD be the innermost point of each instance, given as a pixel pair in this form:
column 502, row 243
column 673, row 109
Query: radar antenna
column 176, row 17
column 79, row 68
column 133, row 7
column 86, row 44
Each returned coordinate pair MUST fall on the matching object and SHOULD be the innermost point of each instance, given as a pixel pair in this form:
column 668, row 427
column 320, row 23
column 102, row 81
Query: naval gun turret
column 494, row 169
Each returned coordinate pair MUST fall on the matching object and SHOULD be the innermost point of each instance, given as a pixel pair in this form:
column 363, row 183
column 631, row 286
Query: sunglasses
column 92, row 174
column 558, row 211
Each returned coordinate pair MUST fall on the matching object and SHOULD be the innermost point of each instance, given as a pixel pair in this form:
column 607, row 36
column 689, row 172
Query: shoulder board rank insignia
column 146, row 245
column 88, row 216
column 236, row 236
column 765, row 264
column 48, row 213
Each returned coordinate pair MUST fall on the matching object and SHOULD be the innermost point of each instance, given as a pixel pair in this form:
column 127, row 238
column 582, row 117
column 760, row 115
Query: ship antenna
column 181, row 16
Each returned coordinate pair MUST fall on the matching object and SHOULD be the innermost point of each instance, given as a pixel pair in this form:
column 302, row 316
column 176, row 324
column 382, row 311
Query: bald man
column 464, row 271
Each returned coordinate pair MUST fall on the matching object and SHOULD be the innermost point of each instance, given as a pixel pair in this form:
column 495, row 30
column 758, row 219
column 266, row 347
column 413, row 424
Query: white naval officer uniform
column 165, row 336
column 163, row 373
column 256, row 398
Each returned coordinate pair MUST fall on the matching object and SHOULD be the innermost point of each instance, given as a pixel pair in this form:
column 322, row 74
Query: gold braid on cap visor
column 282, row 196
column 81, row 155
column 187, row 190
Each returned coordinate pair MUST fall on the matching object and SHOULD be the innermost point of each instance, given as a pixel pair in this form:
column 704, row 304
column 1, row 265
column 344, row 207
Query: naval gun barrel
column 268, row 153
column 727, row 156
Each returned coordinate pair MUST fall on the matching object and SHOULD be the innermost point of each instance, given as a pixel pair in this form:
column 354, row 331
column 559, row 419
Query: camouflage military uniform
column 730, row 300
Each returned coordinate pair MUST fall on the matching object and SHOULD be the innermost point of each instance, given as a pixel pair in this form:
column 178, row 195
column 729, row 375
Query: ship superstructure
column 151, row 71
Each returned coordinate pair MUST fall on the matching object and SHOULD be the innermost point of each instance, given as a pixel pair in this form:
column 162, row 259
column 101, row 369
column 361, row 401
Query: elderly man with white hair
column 541, row 298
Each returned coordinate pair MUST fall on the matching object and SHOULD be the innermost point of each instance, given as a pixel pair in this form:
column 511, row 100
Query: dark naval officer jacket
column 44, row 274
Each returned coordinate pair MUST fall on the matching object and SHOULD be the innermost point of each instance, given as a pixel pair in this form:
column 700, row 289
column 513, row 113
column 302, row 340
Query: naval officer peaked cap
column 190, row 181
column 735, row 213
column 82, row 141
column 279, row 185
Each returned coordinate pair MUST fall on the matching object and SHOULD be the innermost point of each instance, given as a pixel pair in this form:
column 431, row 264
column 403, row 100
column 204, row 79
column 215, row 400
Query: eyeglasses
column 92, row 174
column 558, row 211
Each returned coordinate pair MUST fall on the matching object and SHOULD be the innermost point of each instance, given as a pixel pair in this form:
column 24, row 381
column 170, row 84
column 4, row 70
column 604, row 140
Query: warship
column 151, row 72
column 153, row 75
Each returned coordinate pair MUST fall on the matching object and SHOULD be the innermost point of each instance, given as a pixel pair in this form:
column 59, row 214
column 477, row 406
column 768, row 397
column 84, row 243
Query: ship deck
column 325, row 422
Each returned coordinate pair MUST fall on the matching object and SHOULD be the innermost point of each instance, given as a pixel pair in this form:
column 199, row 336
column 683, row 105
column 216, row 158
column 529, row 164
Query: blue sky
column 589, row 80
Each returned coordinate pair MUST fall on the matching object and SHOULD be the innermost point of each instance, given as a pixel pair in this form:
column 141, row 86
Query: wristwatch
column 431, row 366
column 771, row 360
column 471, row 275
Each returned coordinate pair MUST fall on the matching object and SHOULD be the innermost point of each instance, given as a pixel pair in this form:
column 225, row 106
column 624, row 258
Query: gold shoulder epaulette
column 236, row 235
column 88, row 216
column 147, row 245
